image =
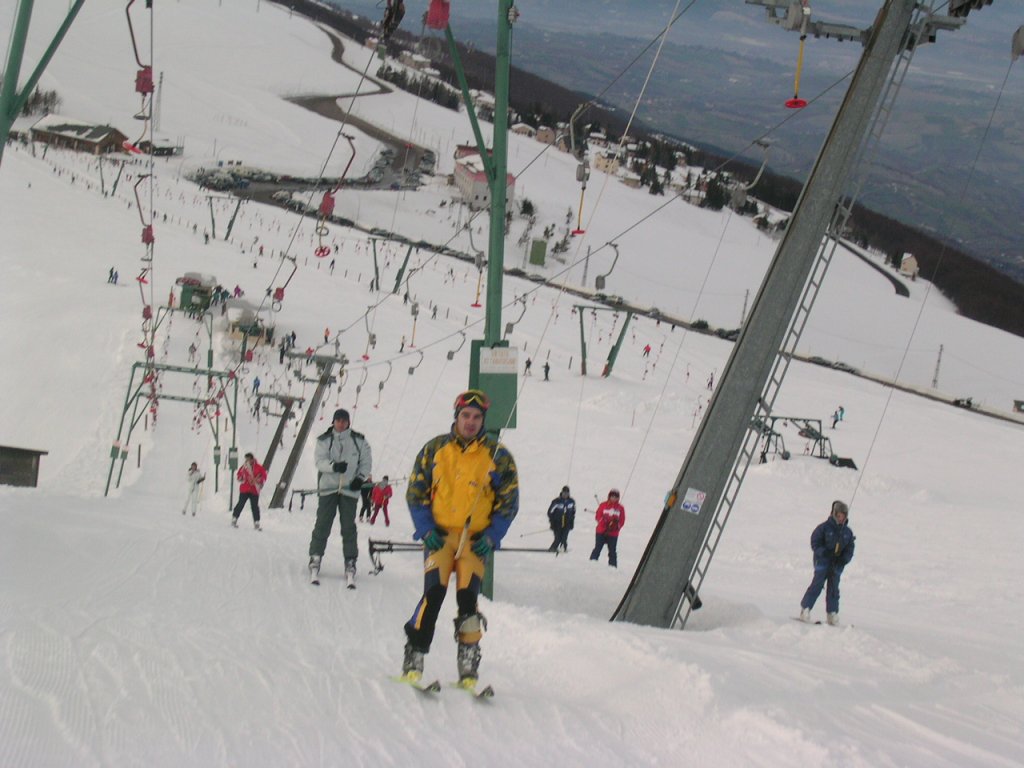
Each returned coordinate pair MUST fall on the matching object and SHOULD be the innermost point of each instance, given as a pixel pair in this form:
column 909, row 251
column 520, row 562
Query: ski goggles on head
column 473, row 397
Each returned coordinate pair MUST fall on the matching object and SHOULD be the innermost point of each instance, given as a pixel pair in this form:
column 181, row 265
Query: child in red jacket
column 380, row 496
column 610, row 518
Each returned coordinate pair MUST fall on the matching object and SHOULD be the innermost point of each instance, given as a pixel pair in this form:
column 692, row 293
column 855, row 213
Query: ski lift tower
column 493, row 364
column 665, row 587
column 11, row 101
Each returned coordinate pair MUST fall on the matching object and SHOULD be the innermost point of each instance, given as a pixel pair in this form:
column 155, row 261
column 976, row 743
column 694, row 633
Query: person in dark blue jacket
column 562, row 517
column 832, row 543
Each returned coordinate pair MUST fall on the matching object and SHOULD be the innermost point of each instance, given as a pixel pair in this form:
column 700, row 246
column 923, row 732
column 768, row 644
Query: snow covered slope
column 131, row 635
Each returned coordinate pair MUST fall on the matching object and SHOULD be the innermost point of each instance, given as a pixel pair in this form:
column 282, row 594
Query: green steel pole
column 496, row 243
column 460, row 73
column 496, row 250
column 401, row 271
column 610, row 364
column 583, row 344
column 11, row 103
column 376, row 269
column 12, row 70
column 115, row 449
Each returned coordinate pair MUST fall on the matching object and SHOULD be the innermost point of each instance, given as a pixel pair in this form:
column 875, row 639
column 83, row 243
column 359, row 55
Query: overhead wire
column 650, row 214
column 930, row 283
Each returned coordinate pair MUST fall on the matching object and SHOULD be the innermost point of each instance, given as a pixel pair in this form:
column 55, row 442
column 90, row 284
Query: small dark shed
column 19, row 466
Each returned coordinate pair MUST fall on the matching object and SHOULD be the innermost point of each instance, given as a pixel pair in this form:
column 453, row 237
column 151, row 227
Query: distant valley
column 725, row 96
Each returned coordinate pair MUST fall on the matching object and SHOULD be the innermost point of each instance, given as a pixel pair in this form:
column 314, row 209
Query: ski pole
column 464, row 537
column 534, row 533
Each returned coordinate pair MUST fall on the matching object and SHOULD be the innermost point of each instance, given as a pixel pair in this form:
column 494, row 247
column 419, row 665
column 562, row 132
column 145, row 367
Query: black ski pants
column 345, row 507
column 254, row 504
column 561, row 539
column 613, row 542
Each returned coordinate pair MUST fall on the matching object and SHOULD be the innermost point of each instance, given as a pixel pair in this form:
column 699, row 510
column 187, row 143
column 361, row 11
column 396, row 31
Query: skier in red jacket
column 380, row 495
column 251, row 477
column 610, row 518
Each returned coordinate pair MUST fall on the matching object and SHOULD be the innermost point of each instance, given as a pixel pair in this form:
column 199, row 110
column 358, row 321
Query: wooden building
column 19, row 466
column 77, row 135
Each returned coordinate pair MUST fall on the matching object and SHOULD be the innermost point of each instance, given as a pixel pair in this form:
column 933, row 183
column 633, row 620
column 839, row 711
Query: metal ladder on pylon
column 840, row 218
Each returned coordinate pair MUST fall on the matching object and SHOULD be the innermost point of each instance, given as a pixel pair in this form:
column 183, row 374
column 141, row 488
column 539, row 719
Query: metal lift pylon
column 281, row 488
column 672, row 568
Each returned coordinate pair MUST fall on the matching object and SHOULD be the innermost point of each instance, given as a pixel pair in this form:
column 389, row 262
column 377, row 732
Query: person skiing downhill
column 251, row 477
column 611, row 517
column 194, row 479
column 343, row 462
column 833, row 543
column 463, row 495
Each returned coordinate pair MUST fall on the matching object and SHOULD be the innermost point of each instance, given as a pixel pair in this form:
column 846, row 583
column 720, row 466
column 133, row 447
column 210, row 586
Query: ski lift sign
column 693, row 500
column 493, row 369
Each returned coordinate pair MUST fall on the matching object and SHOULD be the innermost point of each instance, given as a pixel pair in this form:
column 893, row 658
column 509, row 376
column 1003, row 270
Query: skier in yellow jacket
column 463, row 494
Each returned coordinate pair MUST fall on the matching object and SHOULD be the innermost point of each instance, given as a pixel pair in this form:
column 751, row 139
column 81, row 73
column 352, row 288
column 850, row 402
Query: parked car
column 839, row 365
column 819, row 361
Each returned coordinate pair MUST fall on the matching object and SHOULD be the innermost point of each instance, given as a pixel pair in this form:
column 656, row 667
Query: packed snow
column 131, row 634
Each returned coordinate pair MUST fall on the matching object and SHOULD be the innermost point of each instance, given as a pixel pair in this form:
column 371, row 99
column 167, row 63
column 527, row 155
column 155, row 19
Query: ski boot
column 350, row 573
column 805, row 614
column 832, row 619
column 469, row 664
column 256, row 525
column 412, row 664
column 234, row 522
column 314, row 569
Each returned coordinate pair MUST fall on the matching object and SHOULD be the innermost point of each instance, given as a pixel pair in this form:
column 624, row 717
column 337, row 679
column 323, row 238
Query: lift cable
column 930, row 284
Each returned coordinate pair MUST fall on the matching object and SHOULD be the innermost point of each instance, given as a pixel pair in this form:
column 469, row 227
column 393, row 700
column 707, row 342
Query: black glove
column 340, row 466
column 200, row 479
column 356, row 484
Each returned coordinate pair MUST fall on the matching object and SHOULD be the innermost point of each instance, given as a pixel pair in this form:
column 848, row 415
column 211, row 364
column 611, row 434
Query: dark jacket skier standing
column 562, row 517
column 343, row 463
column 833, row 543
column 463, row 495
column 366, row 496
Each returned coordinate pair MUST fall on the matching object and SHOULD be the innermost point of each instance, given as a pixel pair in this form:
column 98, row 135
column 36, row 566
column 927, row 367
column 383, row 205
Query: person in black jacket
column 364, row 493
column 562, row 516
column 833, row 544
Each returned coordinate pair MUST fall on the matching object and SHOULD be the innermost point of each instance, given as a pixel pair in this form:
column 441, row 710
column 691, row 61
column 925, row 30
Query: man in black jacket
column 562, row 516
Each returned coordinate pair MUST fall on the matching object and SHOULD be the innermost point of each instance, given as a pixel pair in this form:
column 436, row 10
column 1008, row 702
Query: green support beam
column 495, row 165
column 11, row 101
column 610, row 364
column 401, row 271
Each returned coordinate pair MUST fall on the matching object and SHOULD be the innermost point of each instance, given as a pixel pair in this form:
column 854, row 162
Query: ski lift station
column 195, row 291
